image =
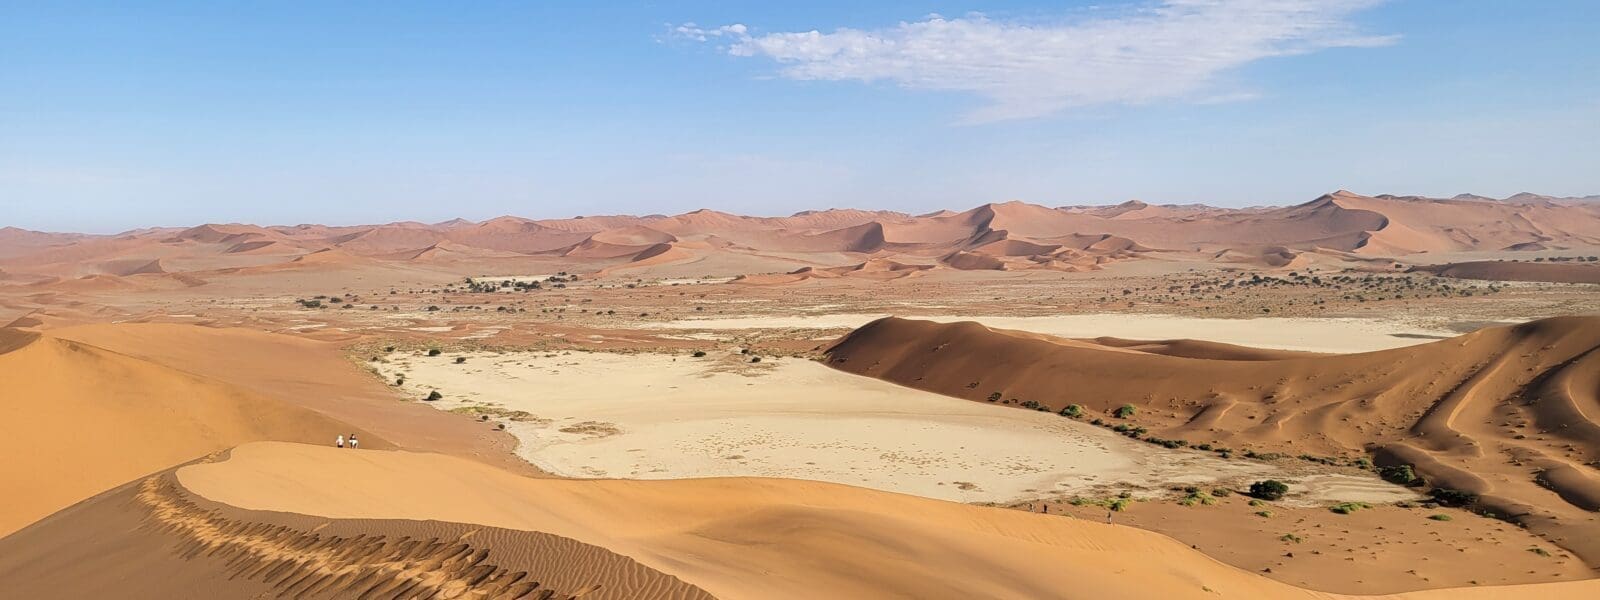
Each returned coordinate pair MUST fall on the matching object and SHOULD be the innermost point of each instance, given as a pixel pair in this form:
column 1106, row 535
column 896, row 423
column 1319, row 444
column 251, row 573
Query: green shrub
column 434, row 352
column 1345, row 508
column 1072, row 410
column 1289, row 537
column 1221, row 492
column 1398, row 474
column 1120, row 504
column 1439, row 517
column 433, row 395
column 1270, row 489
column 1125, row 411
column 1265, row 514
column 699, row 354
column 995, row 397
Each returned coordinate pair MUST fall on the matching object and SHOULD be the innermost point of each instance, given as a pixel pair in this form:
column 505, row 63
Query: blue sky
column 115, row 116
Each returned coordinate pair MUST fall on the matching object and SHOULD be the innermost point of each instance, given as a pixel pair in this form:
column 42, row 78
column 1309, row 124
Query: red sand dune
column 1555, row 272
column 1334, row 228
column 1508, row 413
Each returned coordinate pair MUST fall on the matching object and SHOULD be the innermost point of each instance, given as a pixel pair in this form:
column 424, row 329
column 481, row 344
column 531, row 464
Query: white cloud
column 1171, row 50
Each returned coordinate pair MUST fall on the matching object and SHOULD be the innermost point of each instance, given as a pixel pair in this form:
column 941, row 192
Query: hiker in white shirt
column 340, row 442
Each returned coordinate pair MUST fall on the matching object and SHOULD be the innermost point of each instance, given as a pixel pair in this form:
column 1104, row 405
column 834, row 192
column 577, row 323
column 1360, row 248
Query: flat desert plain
column 1354, row 396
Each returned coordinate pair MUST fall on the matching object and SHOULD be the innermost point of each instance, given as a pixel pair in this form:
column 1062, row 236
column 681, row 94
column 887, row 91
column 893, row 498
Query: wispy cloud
column 1169, row 50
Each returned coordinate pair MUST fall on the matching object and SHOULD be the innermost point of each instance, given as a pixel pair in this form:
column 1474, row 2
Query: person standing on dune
column 353, row 442
column 340, row 442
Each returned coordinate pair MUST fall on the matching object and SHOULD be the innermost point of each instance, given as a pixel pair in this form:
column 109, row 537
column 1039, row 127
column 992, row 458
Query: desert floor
column 657, row 416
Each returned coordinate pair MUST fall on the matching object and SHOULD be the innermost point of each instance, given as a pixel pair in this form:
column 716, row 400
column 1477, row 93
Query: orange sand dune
column 1337, row 227
column 1554, row 272
column 1508, row 413
column 78, row 420
column 301, row 372
column 732, row 538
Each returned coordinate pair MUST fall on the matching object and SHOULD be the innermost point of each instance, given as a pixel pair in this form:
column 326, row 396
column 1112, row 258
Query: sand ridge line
column 310, row 565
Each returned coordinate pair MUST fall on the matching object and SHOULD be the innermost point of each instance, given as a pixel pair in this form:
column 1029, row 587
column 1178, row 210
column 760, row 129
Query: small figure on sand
column 339, row 442
column 354, row 443
column 1108, row 517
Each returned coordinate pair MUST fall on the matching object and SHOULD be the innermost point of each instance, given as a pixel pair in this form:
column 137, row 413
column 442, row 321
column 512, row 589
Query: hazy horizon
column 114, row 117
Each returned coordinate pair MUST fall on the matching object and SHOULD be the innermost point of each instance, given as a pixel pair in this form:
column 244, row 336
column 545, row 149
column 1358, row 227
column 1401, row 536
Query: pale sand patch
column 679, row 417
column 1335, row 335
column 1317, row 489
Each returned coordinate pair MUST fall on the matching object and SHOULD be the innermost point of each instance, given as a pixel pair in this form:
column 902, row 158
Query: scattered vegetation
column 433, row 395
column 434, row 352
column 1125, row 411
column 1072, row 410
column 1345, row 508
column 1439, row 517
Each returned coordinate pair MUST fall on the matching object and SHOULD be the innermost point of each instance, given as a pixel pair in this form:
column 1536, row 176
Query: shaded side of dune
column 1511, row 414
column 153, row 539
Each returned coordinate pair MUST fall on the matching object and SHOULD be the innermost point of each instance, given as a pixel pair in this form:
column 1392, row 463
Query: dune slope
column 731, row 538
column 106, row 418
column 1511, row 414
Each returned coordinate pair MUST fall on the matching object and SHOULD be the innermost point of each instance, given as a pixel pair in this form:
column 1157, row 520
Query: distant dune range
column 1337, row 227
column 1509, row 413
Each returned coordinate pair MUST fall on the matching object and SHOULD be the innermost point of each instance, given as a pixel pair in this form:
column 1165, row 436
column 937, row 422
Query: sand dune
column 1554, row 272
column 731, row 538
column 1506, row 413
column 106, row 418
column 1341, row 227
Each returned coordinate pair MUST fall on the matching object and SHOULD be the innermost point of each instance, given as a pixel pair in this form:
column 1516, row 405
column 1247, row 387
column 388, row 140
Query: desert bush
column 1289, row 537
column 388, row 348
column 1265, row 514
column 1345, row 508
column 995, row 397
column 699, row 354
column 1221, row 492
column 1440, row 517
column 1198, row 497
column 1125, row 411
column 755, row 359
column 461, row 359
column 1072, row 410
column 1269, row 489
column 434, row 352
column 399, row 381
column 433, row 395
column 1453, row 497
column 1398, row 474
